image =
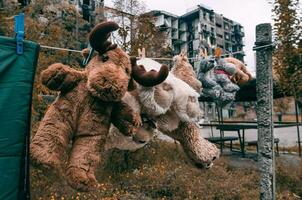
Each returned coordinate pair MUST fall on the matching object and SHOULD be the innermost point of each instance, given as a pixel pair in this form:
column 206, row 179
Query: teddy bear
column 215, row 75
column 183, row 70
column 173, row 107
column 242, row 76
column 88, row 102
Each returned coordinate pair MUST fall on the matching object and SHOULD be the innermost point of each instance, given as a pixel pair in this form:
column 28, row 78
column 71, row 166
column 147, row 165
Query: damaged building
column 199, row 28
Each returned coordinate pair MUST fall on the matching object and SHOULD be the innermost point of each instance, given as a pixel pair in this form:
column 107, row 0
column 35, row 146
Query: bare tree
column 149, row 36
column 126, row 12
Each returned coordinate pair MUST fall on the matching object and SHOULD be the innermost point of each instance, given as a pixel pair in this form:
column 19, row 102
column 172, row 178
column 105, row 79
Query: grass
column 162, row 171
column 159, row 171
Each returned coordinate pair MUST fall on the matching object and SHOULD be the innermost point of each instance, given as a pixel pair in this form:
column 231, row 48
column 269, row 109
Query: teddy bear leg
column 198, row 149
column 84, row 159
column 85, row 154
column 49, row 144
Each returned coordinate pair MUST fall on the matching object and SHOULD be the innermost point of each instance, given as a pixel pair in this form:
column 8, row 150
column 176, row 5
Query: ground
column 162, row 171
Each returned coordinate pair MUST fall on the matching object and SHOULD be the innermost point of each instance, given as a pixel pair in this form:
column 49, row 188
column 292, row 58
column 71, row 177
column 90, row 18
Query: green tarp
column 16, row 85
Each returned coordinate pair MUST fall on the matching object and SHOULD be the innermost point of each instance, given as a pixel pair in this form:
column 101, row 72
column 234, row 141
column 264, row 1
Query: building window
column 226, row 26
column 212, row 41
column 233, row 38
column 227, row 37
column 219, row 35
column 218, row 25
column 228, row 47
column 211, row 17
column 212, row 29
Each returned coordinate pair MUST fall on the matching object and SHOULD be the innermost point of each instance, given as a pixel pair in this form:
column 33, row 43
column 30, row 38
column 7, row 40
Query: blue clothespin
column 86, row 60
column 19, row 30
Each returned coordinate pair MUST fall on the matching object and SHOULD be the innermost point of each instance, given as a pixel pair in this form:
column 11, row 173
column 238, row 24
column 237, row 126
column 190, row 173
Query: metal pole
column 298, row 129
column 264, row 111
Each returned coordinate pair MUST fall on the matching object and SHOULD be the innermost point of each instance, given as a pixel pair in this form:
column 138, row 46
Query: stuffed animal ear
column 139, row 53
column 143, row 52
column 99, row 35
column 203, row 53
column 218, row 52
column 183, row 53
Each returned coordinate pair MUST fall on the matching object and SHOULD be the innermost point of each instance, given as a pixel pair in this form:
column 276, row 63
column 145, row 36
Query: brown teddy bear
column 88, row 102
column 243, row 75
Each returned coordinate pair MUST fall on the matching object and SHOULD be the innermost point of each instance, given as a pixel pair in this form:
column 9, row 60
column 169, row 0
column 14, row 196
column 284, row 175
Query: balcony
column 177, row 41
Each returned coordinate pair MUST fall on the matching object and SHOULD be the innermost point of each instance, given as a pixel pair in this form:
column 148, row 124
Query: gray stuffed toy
column 215, row 75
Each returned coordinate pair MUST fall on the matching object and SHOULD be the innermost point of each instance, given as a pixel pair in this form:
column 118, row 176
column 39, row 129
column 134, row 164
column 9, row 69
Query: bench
column 255, row 143
column 221, row 140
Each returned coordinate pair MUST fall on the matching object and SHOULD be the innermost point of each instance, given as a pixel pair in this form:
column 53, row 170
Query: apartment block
column 199, row 28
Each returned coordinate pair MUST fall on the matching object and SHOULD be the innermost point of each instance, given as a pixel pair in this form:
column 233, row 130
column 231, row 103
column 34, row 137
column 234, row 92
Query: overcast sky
column 249, row 13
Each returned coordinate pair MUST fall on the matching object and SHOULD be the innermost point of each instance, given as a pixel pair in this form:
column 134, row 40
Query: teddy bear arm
column 61, row 77
column 49, row 144
column 125, row 118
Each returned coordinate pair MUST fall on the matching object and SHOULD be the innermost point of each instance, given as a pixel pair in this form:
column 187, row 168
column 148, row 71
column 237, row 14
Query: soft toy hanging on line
column 89, row 101
column 217, row 74
column 173, row 107
column 183, row 69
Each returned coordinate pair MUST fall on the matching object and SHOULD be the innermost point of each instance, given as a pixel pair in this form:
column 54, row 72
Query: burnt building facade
column 199, row 28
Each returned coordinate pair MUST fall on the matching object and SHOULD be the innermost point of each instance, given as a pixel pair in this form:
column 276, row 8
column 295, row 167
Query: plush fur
column 82, row 115
column 174, row 92
column 215, row 77
column 183, row 70
column 198, row 149
column 173, row 106
column 141, row 136
column 89, row 101
column 242, row 76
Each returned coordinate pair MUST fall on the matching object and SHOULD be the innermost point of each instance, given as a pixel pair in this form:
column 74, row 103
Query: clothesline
column 59, row 48
column 161, row 58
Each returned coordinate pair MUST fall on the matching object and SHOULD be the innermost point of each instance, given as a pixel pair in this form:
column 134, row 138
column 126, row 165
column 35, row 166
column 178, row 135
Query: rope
column 61, row 49
column 163, row 58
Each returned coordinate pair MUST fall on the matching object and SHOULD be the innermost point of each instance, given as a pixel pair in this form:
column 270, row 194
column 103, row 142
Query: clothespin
column 19, row 31
column 218, row 53
column 87, row 59
column 142, row 53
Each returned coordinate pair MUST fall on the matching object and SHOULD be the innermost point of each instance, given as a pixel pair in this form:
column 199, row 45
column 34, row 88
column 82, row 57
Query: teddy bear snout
column 108, row 83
